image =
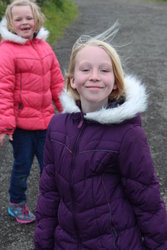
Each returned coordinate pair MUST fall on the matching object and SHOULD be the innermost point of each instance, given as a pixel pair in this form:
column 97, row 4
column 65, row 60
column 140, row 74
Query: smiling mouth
column 25, row 29
column 94, row 87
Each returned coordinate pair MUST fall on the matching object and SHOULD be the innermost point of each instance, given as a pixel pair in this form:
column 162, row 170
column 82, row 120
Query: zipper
column 74, row 153
column 21, row 101
column 20, row 105
column 113, row 229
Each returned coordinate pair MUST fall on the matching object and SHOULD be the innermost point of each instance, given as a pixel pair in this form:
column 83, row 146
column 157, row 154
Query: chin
column 27, row 37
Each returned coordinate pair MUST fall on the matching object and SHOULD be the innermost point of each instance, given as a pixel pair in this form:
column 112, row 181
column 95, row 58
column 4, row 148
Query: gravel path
column 142, row 45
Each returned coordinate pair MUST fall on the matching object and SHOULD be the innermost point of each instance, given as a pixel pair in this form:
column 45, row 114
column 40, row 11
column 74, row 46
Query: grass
column 58, row 19
column 2, row 8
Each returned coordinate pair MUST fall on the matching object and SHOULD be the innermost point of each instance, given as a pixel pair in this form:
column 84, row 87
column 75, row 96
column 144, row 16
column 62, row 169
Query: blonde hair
column 38, row 16
column 99, row 41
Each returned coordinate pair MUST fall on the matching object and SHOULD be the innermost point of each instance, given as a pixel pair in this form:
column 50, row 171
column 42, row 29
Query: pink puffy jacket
column 30, row 79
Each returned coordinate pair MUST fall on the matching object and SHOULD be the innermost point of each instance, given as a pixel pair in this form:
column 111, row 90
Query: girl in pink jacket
column 30, row 79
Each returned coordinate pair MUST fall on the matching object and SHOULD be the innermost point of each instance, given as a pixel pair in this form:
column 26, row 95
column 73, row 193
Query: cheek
column 16, row 27
column 33, row 25
column 113, row 83
column 78, row 80
column 81, row 77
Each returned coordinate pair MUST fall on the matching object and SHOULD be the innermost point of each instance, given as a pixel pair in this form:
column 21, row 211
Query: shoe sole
column 18, row 220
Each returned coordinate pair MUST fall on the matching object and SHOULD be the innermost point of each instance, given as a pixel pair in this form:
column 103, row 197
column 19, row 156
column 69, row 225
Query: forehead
column 21, row 9
column 95, row 52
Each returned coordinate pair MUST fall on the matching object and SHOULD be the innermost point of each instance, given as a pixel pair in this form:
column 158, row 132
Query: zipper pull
column 80, row 123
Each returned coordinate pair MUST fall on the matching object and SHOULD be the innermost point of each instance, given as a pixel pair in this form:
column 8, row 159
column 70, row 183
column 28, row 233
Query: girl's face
column 23, row 21
column 93, row 78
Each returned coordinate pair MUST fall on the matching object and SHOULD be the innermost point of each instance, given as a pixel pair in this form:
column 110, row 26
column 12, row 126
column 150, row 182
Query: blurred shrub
column 4, row 3
column 58, row 3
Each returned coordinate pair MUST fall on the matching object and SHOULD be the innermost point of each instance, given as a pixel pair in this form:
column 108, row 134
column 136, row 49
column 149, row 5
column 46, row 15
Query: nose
column 24, row 21
column 94, row 75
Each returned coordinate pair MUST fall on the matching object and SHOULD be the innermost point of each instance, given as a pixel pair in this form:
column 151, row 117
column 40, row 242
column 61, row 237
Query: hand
column 10, row 137
column 2, row 138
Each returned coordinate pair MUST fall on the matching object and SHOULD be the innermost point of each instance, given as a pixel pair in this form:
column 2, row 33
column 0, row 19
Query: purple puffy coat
column 99, row 189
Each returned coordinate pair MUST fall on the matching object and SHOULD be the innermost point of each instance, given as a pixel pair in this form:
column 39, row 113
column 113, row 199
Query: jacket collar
column 9, row 36
column 135, row 103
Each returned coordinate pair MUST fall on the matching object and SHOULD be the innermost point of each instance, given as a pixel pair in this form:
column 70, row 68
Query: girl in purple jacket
column 99, row 189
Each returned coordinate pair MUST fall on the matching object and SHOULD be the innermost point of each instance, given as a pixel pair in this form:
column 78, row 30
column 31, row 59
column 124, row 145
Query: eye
column 85, row 67
column 85, row 70
column 29, row 18
column 17, row 20
column 105, row 70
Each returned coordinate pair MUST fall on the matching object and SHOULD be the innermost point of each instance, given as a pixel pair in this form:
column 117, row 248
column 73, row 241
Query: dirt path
column 143, row 28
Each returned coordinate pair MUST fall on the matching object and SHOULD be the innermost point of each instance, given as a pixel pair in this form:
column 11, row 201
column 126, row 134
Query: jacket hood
column 135, row 103
column 9, row 36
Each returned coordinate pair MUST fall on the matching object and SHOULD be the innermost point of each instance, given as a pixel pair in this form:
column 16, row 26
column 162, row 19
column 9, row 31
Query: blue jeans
column 26, row 144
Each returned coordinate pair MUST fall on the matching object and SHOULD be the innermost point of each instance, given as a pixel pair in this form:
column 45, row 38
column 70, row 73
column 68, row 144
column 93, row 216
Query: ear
column 72, row 83
column 115, row 86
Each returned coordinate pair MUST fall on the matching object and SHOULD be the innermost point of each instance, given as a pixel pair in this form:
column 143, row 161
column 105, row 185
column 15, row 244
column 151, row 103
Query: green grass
column 2, row 8
column 57, row 20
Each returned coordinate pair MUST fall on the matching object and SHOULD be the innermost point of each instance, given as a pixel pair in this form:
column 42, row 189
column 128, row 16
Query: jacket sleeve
column 7, row 85
column 142, row 188
column 47, row 204
column 57, row 83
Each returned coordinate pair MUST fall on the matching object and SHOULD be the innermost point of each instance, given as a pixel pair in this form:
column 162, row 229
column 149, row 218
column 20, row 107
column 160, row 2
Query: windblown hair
column 99, row 41
column 38, row 16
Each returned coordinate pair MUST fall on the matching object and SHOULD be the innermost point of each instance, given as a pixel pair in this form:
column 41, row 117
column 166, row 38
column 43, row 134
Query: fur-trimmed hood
column 9, row 36
column 135, row 103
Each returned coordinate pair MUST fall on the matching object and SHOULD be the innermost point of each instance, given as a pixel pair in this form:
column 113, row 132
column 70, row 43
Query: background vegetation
column 59, row 14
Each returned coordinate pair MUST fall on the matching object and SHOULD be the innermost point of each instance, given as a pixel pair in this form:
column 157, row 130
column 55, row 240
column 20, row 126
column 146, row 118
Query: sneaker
column 21, row 212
